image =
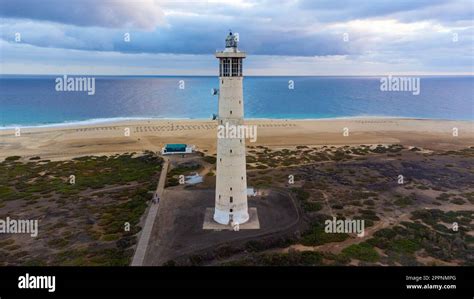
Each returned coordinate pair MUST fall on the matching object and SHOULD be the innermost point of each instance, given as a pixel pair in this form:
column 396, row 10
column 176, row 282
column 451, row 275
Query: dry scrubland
column 406, row 224
column 352, row 177
column 81, row 223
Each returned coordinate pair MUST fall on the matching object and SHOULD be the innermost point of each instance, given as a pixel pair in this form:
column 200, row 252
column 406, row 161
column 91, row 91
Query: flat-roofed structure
column 176, row 148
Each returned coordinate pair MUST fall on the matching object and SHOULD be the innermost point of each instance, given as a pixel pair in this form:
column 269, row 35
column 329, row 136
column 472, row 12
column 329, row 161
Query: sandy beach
column 109, row 138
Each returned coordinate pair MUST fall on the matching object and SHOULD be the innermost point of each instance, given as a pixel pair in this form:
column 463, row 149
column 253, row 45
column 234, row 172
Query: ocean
column 34, row 101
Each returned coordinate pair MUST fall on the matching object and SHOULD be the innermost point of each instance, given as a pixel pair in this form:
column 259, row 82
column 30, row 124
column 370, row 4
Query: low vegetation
column 91, row 218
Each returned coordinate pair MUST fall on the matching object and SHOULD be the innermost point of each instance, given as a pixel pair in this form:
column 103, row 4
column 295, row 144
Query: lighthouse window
column 231, row 200
column 230, row 111
column 220, row 159
column 231, row 151
column 235, row 67
column 226, row 68
column 219, row 196
column 231, row 210
column 242, row 178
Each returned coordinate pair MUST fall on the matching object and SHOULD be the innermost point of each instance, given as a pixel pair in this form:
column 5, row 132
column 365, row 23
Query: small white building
column 177, row 148
column 193, row 179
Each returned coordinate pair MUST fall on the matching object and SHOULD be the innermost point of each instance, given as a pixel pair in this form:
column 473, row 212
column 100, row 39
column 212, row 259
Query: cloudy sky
column 287, row 37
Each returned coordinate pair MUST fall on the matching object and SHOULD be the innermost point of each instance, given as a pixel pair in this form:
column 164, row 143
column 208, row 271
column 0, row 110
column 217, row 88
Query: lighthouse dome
column 231, row 40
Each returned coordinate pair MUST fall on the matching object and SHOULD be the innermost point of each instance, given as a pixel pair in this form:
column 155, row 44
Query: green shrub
column 210, row 159
column 362, row 251
column 12, row 158
column 404, row 246
column 316, row 235
column 312, row 206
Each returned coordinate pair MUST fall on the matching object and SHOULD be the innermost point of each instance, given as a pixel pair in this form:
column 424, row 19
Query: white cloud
column 303, row 37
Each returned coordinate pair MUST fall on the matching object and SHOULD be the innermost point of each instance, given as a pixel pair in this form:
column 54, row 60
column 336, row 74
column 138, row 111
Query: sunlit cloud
column 293, row 37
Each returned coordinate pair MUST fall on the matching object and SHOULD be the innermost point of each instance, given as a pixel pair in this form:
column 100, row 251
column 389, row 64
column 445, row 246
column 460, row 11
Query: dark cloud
column 144, row 14
column 183, row 35
column 205, row 36
column 304, row 28
column 442, row 11
column 360, row 9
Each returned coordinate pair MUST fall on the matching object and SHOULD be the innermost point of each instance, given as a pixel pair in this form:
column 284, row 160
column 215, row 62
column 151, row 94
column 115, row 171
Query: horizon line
column 289, row 75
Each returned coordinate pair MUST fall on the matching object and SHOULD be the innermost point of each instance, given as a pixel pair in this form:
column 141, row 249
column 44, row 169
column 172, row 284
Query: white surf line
column 142, row 246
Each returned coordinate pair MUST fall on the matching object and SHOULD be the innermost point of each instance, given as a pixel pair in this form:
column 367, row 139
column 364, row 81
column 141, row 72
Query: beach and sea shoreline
column 27, row 101
column 155, row 111
column 63, row 141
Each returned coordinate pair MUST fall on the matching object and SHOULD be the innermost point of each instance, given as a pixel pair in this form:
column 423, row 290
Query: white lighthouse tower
column 231, row 178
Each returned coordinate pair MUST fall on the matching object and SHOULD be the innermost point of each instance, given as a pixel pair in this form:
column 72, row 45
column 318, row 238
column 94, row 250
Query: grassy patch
column 362, row 251
column 316, row 235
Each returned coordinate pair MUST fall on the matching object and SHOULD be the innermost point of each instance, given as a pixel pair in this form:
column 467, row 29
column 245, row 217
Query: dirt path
column 327, row 202
column 142, row 245
column 337, row 247
column 108, row 189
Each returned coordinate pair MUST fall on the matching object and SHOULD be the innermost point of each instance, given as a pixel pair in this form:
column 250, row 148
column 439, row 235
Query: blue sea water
column 33, row 100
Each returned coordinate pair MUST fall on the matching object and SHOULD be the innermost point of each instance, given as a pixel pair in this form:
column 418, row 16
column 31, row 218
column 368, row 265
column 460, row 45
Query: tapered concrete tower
column 231, row 178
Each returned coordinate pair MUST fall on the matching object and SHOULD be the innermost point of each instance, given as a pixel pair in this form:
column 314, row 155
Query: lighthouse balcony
column 223, row 54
